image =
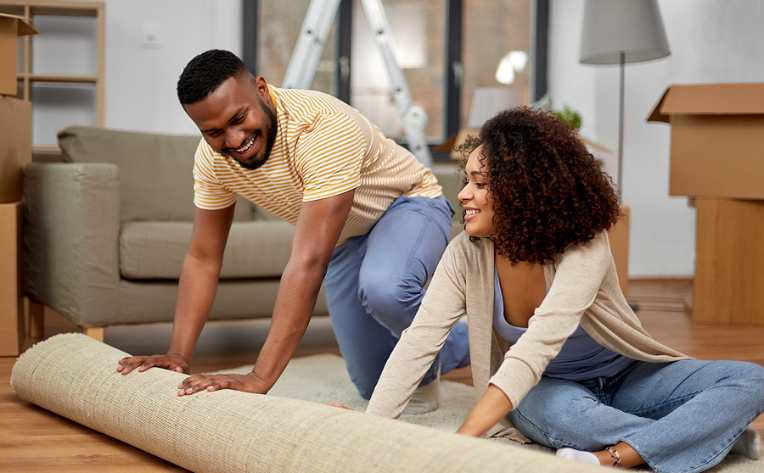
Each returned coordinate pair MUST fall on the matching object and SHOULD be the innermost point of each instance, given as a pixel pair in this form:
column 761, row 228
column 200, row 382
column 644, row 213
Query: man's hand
column 317, row 230
column 213, row 382
column 170, row 361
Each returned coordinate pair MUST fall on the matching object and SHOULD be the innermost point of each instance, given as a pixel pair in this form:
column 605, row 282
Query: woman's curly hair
column 549, row 193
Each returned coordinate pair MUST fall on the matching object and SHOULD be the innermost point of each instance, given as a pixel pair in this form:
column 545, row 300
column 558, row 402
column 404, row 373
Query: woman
column 556, row 350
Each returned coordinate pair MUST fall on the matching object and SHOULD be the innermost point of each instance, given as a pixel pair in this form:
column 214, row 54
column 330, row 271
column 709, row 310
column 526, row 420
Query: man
column 370, row 221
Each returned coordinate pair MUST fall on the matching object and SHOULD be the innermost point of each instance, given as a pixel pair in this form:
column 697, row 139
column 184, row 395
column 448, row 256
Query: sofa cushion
column 155, row 250
column 149, row 302
column 155, row 171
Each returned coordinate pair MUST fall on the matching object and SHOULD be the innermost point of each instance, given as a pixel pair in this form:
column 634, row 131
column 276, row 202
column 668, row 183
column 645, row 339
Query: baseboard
column 662, row 279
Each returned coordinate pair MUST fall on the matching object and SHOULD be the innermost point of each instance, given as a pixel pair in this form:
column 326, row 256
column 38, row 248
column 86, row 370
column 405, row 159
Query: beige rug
column 229, row 431
column 323, row 379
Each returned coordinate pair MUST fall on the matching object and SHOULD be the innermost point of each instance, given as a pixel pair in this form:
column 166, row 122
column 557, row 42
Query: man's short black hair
column 205, row 73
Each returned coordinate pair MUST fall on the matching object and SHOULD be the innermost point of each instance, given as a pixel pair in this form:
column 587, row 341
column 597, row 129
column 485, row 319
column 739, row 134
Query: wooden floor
column 34, row 440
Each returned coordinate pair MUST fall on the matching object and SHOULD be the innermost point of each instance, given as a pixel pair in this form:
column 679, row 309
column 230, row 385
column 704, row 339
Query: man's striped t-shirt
column 323, row 148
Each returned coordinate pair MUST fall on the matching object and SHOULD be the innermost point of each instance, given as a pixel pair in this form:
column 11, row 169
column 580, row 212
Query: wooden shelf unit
column 73, row 79
column 26, row 76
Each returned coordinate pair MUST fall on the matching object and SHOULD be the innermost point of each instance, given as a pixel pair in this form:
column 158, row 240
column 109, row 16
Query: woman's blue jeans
column 681, row 417
column 375, row 283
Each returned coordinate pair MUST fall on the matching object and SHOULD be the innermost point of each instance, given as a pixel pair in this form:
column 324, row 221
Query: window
column 449, row 51
column 418, row 36
column 506, row 26
column 280, row 23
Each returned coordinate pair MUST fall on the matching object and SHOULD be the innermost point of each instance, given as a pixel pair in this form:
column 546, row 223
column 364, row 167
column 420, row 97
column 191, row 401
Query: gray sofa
column 106, row 231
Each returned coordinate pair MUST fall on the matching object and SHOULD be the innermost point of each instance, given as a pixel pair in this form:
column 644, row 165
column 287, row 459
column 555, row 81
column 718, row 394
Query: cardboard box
column 11, row 308
column 15, row 145
column 11, row 27
column 729, row 281
column 619, row 246
column 717, row 139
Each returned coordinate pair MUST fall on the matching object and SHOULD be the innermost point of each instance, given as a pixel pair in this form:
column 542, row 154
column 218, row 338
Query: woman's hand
column 213, row 382
column 489, row 410
column 470, row 430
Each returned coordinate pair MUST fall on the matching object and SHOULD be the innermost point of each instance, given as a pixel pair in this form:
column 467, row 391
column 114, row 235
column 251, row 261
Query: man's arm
column 196, row 291
column 317, row 230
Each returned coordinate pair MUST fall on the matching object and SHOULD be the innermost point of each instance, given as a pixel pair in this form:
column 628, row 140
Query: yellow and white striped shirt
column 323, row 148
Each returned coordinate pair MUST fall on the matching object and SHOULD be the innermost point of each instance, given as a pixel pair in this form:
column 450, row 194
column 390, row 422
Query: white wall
column 147, row 44
column 711, row 41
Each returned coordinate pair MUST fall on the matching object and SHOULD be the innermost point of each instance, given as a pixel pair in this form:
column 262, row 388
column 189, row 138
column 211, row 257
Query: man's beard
column 256, row 162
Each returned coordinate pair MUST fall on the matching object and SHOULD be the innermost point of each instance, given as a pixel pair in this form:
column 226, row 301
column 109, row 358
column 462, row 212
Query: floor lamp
column 620, row 32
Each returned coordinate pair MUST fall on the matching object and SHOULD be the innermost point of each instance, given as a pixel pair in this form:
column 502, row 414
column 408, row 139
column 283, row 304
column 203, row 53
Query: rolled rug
column 229, row 431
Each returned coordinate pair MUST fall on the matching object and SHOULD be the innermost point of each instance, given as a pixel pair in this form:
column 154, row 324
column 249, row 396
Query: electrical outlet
column 151, row 37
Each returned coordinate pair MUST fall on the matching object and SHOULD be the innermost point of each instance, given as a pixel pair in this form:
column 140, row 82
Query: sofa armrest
column 71, row 237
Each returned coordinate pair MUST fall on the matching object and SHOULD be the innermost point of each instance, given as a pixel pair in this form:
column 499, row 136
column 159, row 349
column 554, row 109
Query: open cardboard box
column 717, row 139
column 15, row 152
column 15, row 114
column 717, row 156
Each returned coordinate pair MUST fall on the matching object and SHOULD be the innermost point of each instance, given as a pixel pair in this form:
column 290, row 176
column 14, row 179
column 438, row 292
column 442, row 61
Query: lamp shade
column 489, row 101
column 631, row 27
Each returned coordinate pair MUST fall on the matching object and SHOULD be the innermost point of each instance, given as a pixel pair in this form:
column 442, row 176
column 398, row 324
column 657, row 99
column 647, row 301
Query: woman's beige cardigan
column 582, row 288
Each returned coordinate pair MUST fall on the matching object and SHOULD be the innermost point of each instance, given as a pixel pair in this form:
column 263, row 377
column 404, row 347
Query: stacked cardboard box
column 717, row 159
column 15, row 152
